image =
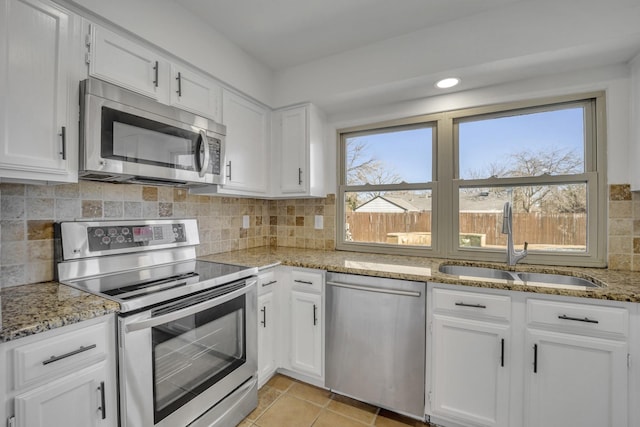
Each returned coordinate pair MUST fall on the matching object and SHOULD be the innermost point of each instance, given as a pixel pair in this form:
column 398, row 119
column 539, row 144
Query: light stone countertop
column 30, row 309
column 618, row 285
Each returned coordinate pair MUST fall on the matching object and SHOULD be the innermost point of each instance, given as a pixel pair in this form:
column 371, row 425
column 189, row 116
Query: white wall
column 615, row 80
column 171, row 27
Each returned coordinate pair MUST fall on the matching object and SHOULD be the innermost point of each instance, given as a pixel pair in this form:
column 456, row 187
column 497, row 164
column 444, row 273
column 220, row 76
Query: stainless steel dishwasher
column 375, row 344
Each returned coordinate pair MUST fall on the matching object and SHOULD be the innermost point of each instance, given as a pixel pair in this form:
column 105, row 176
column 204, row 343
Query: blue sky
column 409, row 154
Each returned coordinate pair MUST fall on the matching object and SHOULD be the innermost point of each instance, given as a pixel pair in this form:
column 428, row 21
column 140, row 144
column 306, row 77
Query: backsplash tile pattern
column 27, row 213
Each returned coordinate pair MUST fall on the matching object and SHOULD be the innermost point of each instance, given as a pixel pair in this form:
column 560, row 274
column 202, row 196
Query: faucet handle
column 526, row 245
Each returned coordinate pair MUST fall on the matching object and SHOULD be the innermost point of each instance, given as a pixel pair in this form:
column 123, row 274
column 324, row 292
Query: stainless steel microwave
column 127, row 137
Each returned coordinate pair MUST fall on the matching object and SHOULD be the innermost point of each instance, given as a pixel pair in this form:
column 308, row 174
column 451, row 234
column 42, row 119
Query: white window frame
column 446, row 184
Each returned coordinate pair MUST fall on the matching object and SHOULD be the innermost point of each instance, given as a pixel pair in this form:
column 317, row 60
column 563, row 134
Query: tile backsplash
column 28, row 212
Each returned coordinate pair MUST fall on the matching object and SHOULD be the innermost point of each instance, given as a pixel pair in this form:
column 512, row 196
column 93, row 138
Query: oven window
column 193, row 353
column 136, row 139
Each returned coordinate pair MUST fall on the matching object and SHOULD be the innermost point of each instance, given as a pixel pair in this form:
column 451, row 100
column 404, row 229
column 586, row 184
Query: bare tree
column 362, row 168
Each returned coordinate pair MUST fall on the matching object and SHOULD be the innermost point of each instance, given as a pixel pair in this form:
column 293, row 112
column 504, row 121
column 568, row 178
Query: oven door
column 179, row 360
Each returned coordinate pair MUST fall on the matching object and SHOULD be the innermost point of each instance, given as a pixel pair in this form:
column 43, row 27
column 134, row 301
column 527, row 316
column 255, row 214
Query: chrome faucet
column 513, row 256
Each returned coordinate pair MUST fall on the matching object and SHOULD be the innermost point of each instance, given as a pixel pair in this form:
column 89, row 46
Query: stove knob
column 98, row 232
column 120, row 239
column 125, row 231
column 106, row 240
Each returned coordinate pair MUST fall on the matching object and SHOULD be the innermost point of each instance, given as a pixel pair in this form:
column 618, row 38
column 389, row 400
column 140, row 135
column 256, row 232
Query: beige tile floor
column 285, row 402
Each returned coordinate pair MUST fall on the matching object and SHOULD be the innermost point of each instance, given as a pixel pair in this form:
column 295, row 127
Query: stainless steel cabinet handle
column 577, row 319
column 63, row 135
column 229, row 170
column 299, row 176
column 269, row 283
column 71, row 353
column 103, row 407
column 378, row 290
column 315, row 317
column 264, row 317
column 305, row 282
column 535, row 358
column 462, row 304
column 179, row 79
column 155, row 69
column 502, row 353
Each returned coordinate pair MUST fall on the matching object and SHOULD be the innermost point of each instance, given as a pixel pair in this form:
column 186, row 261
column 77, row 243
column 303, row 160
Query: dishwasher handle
column 377, row 290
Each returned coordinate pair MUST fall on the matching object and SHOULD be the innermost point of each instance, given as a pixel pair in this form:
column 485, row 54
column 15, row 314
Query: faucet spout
column 513, row 256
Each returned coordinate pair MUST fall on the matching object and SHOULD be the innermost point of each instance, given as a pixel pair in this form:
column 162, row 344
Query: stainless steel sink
column 523, row 278
column 482, row 272
column 556, row 279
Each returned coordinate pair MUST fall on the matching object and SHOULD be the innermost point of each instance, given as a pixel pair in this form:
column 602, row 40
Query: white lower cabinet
column 268, row 322
column 306, row 332
column 501, row 358
column 470, row 336
column 471, row 381
column 576, row 372
column 63, row 377
column 73, row 401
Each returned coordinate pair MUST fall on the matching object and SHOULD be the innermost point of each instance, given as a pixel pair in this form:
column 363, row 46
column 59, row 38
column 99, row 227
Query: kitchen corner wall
column 28, row 212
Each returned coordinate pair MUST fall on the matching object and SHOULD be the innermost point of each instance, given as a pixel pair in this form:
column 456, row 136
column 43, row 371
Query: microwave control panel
column 130, row 236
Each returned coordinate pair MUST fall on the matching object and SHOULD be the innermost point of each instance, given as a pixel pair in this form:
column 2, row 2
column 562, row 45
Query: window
column 437, row 185
column 388, row 190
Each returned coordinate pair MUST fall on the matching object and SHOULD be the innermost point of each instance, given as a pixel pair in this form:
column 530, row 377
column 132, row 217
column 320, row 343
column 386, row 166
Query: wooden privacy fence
column 562, row 229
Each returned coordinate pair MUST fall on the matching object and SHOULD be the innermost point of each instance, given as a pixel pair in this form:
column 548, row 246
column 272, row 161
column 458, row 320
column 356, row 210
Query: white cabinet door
column 125, row 63
column 195, row 93
column 293, row 150
column 470, row 371
column 74, row 401
column 36, row 65
column 266, row 336
column 246, row 144
column 306, row 332
column 575, row 380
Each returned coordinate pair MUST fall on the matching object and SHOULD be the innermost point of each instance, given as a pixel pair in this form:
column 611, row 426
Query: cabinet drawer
column 58, row 355
column 266, row 281
column 307, row 280
column 578, row 317
column 471, row 303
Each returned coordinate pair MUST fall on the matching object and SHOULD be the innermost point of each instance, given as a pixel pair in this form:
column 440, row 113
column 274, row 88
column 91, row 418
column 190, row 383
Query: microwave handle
column 203, row 145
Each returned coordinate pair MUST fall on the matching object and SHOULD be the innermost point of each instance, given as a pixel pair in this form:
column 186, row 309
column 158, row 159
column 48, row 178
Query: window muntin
column 523, row 143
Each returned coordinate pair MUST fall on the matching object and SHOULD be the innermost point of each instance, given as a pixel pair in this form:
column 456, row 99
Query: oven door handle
column 187, row 311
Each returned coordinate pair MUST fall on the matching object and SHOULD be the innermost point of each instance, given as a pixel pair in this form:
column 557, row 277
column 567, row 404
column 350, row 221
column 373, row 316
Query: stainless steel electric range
column 187, row 338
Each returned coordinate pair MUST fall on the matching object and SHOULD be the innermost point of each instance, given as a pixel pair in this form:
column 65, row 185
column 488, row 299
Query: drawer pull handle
column 103, row 407
column 269, row 283
column 71, row 353
column 305, row 282
column 535, row 358
column 502, row 353
column 577, row 319
column 462, row 304
column 315, row 317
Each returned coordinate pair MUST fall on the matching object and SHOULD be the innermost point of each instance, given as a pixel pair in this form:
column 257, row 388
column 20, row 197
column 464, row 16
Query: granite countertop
column 30, row 309
column 617, row 285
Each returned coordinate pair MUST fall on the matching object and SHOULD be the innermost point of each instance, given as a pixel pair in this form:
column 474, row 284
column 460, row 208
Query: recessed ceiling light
column 447, row 83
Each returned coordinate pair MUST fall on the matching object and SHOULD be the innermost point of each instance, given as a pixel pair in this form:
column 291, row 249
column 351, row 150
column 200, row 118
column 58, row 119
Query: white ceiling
column 346, row 54
column 285, row 33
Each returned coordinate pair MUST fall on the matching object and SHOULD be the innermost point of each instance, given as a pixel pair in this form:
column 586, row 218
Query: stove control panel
column 130, row 236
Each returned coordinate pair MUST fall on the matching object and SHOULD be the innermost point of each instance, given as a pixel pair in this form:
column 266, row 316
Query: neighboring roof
column 477, row 201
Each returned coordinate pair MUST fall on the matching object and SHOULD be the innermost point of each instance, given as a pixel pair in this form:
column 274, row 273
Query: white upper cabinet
column 194, row 92
column 38, row 106
column 247, row 144
column 124, row 62
column 299, row 150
